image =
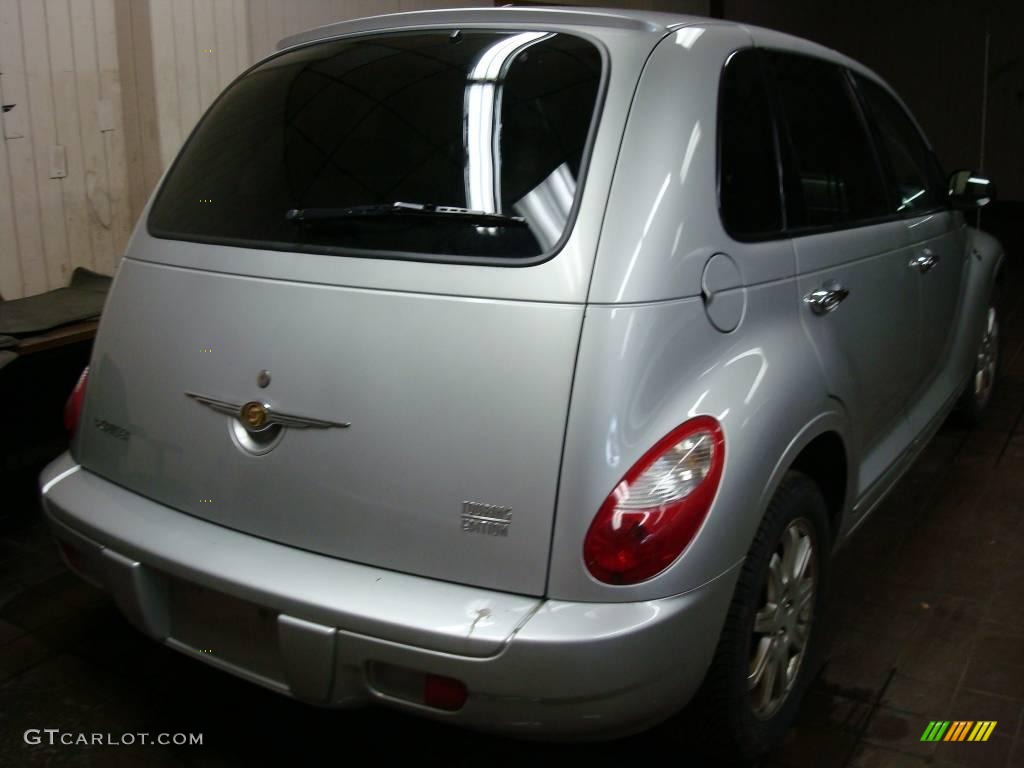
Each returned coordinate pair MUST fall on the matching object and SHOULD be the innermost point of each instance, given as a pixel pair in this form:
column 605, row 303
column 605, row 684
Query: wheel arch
column 821, row 451
column 824, row 460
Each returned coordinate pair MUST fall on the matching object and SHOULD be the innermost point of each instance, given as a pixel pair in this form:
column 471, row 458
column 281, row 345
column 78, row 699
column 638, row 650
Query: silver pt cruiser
column 523, row 368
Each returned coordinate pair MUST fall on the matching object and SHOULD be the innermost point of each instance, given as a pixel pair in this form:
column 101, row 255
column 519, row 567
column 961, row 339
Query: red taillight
column 656, row 509
column 73, row 407
column 444, row 693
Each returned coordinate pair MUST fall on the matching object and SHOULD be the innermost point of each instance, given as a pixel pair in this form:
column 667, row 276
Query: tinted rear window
column 497, row 122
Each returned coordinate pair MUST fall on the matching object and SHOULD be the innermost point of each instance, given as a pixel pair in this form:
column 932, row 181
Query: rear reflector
column 444, row 693
column 417, row 687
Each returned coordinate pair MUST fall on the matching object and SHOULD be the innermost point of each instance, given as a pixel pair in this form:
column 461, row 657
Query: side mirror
column 969, row 191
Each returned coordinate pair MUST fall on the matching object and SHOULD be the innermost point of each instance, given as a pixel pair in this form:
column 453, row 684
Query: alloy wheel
column 782, row 625
column 988, row 357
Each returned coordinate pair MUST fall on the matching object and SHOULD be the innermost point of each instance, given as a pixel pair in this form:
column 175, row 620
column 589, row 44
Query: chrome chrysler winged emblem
column 256, row 416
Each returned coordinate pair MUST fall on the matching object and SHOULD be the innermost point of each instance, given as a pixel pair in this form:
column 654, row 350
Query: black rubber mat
column 81, row 300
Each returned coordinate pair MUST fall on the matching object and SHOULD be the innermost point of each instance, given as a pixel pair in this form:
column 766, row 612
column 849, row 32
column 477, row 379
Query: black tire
column 729, row 726
column 974, row 401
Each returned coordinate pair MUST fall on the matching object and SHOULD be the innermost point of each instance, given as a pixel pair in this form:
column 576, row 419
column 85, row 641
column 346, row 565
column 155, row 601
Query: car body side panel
column 868, row 346
column 644, row 369
column 926, row 411
column 984, row 259
column 663, row 222
column 941, row 291
column 648, row 361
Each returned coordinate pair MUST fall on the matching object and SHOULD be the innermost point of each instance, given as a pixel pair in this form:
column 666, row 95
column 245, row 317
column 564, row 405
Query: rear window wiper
column 405, row 209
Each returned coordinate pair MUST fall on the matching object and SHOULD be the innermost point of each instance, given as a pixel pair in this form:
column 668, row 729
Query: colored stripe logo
column 958, row 730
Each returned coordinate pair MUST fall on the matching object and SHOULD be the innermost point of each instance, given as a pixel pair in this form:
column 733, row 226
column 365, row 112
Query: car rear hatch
column 405, row 371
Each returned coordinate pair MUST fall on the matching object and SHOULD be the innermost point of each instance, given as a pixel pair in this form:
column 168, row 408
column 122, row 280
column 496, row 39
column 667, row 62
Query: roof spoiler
column 640, row 22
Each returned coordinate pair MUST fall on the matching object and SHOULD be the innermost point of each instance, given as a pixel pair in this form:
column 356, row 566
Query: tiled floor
column 925, row 624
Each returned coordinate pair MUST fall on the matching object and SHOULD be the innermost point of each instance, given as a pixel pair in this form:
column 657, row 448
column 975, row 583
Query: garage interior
column 925, row 622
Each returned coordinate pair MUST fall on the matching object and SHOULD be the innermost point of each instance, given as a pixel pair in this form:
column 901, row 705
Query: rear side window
column 394, row 145
column 917, row 181
column 836, row 180
column 749, row 192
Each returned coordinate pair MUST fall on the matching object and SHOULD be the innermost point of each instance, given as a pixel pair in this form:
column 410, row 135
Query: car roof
column 654, row 24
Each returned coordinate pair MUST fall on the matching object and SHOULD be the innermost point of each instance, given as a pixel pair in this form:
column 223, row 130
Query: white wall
column 58, row 67
column 198, row 47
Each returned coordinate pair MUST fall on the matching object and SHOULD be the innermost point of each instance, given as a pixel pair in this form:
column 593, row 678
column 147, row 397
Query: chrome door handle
column 924, row 261
column 827, row 298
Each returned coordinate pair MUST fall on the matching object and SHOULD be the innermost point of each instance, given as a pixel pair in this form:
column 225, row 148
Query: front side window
column 748, row 180
column 836, row 180
column 447, row 143
column 916, row 179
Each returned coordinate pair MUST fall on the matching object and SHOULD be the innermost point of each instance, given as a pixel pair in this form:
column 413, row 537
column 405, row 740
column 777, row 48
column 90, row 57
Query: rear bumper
column 338, row 633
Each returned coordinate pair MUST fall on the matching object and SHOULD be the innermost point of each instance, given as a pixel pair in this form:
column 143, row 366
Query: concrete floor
column 925, row 623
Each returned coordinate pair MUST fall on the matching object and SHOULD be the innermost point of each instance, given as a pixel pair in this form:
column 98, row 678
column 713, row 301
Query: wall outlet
column 58, row 162
column 105, row 115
